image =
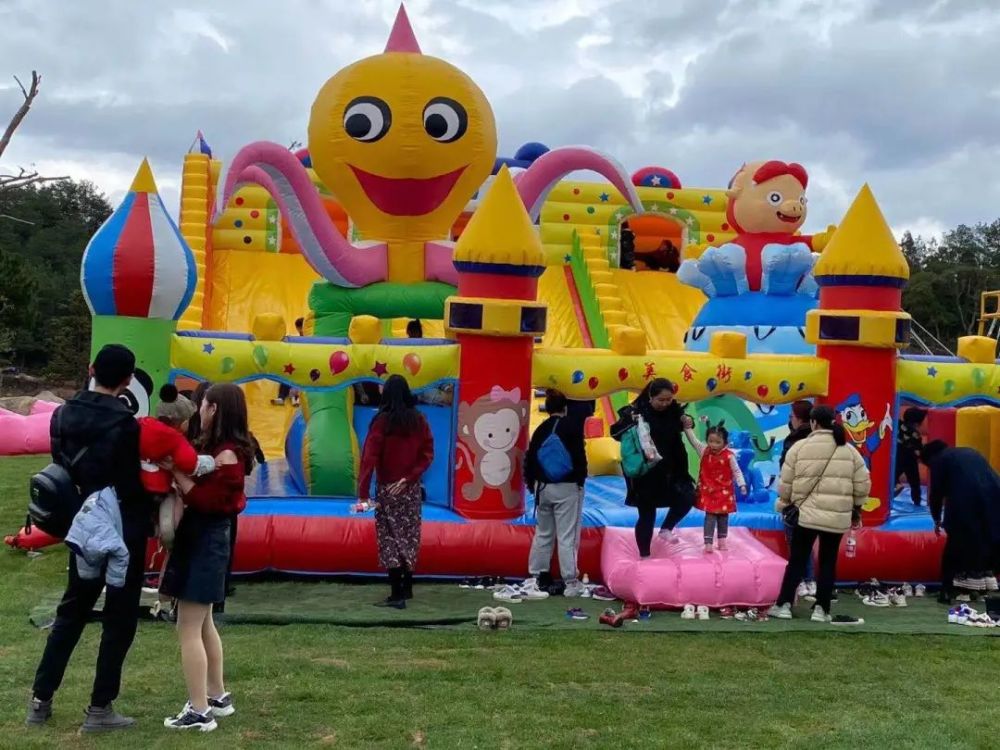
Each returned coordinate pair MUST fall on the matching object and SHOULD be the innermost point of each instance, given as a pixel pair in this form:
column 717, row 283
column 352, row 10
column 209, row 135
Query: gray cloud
column 900, row 94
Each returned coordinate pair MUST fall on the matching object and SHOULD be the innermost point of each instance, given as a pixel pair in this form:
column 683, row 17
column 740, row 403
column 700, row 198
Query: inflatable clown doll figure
column 138, row 275
column 761, row 282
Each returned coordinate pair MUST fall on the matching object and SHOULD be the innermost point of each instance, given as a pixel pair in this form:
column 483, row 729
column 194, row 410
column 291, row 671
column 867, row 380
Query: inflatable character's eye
column 445, row 120
column 775, row 198
column 367, row 119
column 803, row 200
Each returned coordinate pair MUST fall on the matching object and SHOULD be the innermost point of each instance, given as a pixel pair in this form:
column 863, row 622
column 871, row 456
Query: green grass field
column 323, row 686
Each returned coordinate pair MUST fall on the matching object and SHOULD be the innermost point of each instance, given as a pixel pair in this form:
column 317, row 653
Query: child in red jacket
column 162, row 441
column 718, row 473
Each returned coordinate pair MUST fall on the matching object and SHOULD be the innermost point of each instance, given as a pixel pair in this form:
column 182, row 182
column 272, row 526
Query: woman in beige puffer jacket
column 829, row 482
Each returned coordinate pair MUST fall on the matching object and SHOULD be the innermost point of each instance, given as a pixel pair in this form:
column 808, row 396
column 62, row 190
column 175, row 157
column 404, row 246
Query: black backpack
column 55, row 498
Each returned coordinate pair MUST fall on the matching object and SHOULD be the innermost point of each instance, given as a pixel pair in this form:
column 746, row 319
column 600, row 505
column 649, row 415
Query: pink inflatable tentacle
column 438, row 265
column 537, row 180
column 276, row 169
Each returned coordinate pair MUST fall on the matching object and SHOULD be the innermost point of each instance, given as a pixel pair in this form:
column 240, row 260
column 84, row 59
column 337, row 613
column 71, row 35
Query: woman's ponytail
column 826, row 419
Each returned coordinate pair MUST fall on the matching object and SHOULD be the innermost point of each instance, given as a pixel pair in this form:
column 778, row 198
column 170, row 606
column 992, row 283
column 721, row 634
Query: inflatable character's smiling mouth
column 406, row 196
column 787, row 218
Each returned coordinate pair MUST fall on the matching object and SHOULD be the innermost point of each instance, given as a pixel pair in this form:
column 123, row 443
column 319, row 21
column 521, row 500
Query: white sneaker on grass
column 876, row 599
column 574, row 588
column 780, row 612
column 529, row 590
column 509, row 594
column 222, row 706
column 819, row 615
column 188, row 718
column 688, row 613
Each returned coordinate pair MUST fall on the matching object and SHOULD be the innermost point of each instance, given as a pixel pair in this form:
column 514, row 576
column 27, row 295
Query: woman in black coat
column 669, row 483
column 964, row 500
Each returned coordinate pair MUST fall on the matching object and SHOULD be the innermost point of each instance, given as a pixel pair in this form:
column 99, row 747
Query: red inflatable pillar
column 858, row 328
column 496, row 319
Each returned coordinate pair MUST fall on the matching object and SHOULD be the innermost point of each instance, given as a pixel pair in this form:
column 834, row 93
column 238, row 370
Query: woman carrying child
column 718, row 471
column 196, row 572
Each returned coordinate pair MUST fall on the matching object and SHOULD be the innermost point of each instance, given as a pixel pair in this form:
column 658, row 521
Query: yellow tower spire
column 143, row 181
column 500, row 231
column 863, row 245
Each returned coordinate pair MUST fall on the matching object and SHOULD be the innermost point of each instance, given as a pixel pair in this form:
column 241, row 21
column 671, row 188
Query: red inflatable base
column 333, row 545
column 326, row 545
column 913, row 556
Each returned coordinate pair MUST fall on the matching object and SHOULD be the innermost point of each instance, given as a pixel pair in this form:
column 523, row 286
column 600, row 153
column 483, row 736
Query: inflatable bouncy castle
column 400, row 209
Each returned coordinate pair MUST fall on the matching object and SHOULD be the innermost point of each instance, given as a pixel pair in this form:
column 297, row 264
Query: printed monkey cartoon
column 488, row 433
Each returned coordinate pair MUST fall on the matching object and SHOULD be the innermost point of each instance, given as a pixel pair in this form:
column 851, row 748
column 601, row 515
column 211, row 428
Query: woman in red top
column 196, row 573
column 398, row 450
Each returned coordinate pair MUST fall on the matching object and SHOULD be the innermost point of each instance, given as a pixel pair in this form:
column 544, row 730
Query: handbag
column 790, row 513
column 638, row 453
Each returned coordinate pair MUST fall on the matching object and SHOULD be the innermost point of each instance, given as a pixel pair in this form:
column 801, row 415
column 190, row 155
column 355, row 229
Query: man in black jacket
column 558, row 500
column 98, row 421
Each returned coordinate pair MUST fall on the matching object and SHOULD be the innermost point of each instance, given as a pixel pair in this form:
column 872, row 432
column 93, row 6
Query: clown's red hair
column 771, row 169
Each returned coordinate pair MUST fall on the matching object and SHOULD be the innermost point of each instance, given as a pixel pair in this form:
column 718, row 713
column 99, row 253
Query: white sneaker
column 574, row 588
column 703, row 613
column 897, row 598
column 819, row 615
column 688, row 613
column 782, row 612
column 668, row 536
column 802, row 590
column 920, row 591
column 970, row 583
column 876, row 599
column 907, row 590
column 509, row 594
column 529, row 590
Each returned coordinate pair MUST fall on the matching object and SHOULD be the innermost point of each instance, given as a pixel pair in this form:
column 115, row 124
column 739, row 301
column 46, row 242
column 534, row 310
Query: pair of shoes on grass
column 494, row 618
column 784, row 612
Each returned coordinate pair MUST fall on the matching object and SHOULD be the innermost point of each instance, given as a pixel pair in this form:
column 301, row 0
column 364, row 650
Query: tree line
column 45, row 323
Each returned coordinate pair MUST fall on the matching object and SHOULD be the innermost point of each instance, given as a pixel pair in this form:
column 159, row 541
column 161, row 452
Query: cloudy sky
column 902, row 94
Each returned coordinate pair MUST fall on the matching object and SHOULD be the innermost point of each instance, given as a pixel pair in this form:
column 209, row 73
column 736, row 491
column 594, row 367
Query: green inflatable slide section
column 331, row 450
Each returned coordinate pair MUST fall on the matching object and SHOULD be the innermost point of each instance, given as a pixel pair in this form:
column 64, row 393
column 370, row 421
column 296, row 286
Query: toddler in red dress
column 718, row 473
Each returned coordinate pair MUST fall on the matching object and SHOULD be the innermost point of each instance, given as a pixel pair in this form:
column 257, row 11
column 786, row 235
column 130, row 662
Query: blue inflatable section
column 437, row 480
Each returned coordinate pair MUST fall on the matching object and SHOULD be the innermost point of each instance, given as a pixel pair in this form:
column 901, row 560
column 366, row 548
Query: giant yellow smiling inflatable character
column 404, row 140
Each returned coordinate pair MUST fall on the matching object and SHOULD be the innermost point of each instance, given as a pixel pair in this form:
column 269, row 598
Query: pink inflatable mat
column 747, row 575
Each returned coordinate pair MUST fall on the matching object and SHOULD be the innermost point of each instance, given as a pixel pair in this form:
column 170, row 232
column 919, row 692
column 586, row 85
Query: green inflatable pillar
column 148, row 338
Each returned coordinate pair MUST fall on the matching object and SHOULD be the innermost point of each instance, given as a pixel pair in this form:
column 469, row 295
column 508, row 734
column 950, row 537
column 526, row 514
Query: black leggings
column 907, row 465
column 647, row 520
column 803, row 540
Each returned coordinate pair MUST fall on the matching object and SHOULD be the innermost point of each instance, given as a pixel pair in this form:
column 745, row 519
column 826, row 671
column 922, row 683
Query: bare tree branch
column 22, row 86
column 24, row 177
column 22, row 111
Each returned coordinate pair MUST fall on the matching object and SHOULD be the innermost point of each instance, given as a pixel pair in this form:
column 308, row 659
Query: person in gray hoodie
column 96, row 539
